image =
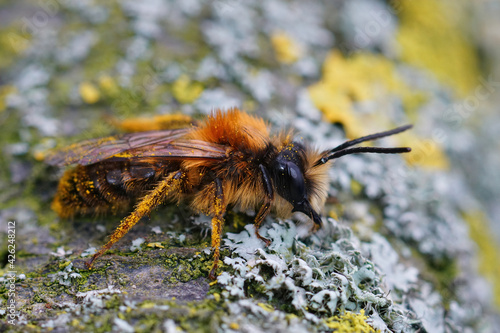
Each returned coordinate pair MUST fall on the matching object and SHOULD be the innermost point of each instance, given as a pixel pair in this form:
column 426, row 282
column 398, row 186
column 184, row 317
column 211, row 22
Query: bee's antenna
column 371, row 137
column 344, row 149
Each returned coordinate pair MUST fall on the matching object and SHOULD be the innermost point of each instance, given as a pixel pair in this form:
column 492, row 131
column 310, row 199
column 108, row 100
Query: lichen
column 489, row 264
column 432, row 36
column 286, row 49
column 89, row 93
column 299, row 280
column 350, row 322
column 362, row 77
column 186, row 91
column 398, row 245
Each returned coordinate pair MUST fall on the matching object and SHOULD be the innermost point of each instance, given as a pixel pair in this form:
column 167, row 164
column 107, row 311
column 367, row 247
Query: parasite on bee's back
column 229, row 159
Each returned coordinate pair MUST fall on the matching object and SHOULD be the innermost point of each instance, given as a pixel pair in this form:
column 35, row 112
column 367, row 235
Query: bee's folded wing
column 165, row 143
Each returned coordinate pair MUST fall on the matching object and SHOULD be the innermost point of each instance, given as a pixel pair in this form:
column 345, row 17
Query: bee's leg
column 217, row 224
column 266, row 206
column 161, row 122
column 147, row 203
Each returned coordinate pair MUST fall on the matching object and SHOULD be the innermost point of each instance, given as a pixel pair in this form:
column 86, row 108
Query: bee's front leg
column 266, row 206
column 219, row 208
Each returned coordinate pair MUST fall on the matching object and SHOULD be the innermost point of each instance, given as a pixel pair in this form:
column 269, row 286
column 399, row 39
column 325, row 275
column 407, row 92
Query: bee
column 228, row 160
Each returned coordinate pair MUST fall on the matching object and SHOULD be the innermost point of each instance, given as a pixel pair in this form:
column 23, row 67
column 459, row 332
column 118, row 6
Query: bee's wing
column 179, row 149
column 164, row 143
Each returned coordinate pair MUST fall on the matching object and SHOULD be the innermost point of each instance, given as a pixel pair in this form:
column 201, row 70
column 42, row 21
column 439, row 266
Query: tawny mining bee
column 229, row 159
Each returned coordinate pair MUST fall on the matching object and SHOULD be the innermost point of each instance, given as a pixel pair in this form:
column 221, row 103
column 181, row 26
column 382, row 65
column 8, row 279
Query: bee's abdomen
column 85, row 190
column 102, row 188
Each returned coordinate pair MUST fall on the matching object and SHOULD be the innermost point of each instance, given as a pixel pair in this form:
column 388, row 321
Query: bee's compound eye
column 289, row 181
column 294, row 174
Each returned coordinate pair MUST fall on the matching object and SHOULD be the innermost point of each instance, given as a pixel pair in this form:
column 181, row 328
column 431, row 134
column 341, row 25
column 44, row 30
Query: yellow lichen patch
column 156, row 245
column 39, row 155
column 333, row 214
column 286, row 49
column 425, row 153
column 266, row 307
column 185, row 90
column 489, row 260
column 89, row 93
column 148, row 305
column 356, row 187
column 431, row 36
column 4, row 92
column 234, row 326
column 108, row 85
column 161, row 122
column 350, row 322
column 362, row 77
column 12, row 43
column 369, row 77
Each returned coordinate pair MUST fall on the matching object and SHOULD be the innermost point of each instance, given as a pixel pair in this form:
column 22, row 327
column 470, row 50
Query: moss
column 356, row 187
column 128, row 102
column 64, row 264
column 100, row 323
column 445, row 272
column 236, row 222
column 37, row 299
column 114, row 302
column 147, row 317
column 5, row 91
column 441, row 271
column 12, row 45
column 8, row 135
column 187, row 268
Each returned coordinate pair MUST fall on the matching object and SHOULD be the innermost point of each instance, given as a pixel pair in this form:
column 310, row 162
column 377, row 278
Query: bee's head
column 300, row 175
column 288, row 174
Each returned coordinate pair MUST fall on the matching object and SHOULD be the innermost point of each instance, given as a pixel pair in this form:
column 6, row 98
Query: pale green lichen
column 301, row 280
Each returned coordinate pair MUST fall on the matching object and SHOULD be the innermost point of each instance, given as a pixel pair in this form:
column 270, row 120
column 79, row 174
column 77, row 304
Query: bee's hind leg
column 144, row 207
column 219, row 208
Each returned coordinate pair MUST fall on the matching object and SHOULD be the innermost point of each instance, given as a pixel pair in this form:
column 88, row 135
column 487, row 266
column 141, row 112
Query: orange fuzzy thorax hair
column 235, row 128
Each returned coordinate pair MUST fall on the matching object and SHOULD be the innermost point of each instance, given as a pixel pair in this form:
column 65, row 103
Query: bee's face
column 289, row 181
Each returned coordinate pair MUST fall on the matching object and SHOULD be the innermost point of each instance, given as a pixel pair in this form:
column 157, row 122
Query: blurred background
column 332, row 70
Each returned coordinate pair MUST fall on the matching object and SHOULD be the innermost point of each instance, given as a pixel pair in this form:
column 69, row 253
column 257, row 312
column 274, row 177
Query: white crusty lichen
column 314, row 281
